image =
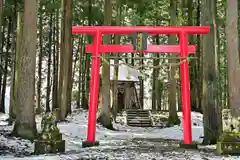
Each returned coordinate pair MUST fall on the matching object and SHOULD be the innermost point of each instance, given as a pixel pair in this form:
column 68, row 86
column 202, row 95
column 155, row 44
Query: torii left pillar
column 95, row 74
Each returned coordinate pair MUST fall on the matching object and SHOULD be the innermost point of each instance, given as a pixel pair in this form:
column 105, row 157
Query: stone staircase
column 139, row 118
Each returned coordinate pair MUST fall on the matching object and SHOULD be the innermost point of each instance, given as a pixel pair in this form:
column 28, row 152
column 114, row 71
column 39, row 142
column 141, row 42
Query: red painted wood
column 183, row 48
column 133, row 29
column 151, row 48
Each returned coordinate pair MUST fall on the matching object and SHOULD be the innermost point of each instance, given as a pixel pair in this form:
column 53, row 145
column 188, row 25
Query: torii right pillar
column 186, row 107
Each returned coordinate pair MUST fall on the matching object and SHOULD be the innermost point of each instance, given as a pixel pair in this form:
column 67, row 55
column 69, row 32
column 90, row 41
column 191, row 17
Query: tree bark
column 65, row 81
column 55, row 65
column 105, row 116
column 14, row 84
column 211, row 111
column 6, row 60
column 173, row 117
column 80, row 70
column 40, row 55
column 116, row 62
column 49, row 63
column 233, row 57
column 25, row 125
column 155, row 88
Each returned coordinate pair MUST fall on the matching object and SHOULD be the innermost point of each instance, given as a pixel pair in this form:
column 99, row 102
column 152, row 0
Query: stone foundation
column 50, row 138
column 229, row 141
column 42, row 147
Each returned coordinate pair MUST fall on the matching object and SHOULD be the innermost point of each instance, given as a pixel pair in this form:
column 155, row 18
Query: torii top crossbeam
column 148, row 29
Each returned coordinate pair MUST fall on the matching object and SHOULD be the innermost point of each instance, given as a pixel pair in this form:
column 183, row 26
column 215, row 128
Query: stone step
column 139, row 118
column 133, row 116
column 139, row 121
column 137, row 111
column 137, row 115
column 140, row 125
column 144, row 122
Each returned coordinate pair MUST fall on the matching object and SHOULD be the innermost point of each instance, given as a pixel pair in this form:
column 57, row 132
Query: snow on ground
column 177, row 131
column 124, row 144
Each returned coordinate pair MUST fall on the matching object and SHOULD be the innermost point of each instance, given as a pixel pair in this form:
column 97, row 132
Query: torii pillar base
column 86, row 144
column 188, row 146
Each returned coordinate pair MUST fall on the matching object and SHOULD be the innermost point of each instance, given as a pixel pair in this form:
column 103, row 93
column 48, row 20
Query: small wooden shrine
column 128, row 79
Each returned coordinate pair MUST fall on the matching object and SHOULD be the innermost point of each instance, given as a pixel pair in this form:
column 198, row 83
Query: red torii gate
column 97, row 48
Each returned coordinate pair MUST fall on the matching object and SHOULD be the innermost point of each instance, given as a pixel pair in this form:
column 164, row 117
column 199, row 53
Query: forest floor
column 126, row 143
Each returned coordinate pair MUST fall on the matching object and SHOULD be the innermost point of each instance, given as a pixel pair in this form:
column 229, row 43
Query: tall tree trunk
column 80, row 70
column 2, row 29
column 1, row 19
column 105, row 116
column 140, row 11
column 199, row 56
column 155, row 91
column 69, row 51
column 6, row 60
column 116, row 68
column 61, row 58
column 86, row 75
column 193, row 69
column 211, row 115
column 233, row 57
column 2, row 40
column 25, row 125
column 54, row 78
column 14, row 83
column 173, row 117
column 159, row 83
column 225, row 77
column 56, row 64
column 76, row 58
column 65, row 81
column 219, row 80
column 84, row 82
column 12, row 110
column 49, row 64
column 40, row 55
